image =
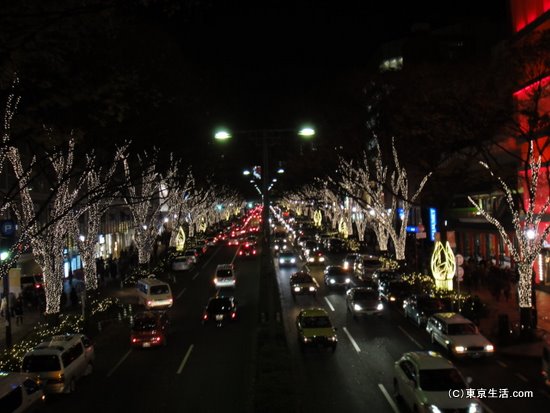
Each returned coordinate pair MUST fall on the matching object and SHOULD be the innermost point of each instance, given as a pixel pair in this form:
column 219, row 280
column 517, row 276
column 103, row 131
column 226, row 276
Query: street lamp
column 305, row 132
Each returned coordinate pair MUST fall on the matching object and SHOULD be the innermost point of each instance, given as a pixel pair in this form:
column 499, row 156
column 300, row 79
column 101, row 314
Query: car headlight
column 380, row 307
column 321, row 259
column 357, row 307
column 474, row 408
column 346, row 265
column 392, row 298
column 348, row 280
column 433, row 409
column 332, row 338
column 281, row 260
column 305, row 339
column 293, row 260
column 460, row 349
column 296, row 289
column 490, row 348
column 311, row 288
column 310, row 259
column 332, row 281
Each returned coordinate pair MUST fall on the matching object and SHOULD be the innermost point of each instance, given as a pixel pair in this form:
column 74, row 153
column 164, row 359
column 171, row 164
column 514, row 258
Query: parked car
column 60, row 362
column 20, row 393
column 424, row 380
column 458, row 335
column 419, row 307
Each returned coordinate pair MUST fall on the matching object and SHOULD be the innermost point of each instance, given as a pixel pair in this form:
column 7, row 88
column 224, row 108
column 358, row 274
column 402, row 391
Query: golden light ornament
column 180, row 240
column 343, row 228
column 202, row 225
column 443, row 265
column 317, row 218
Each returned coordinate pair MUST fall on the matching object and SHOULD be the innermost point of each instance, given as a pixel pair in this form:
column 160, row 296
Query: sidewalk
column 32, row 316
column 489, row 326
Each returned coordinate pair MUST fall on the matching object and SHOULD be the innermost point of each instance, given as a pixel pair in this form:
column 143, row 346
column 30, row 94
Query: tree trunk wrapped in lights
column 48, row 240
column 370, row 192
column 86, row 238
column 530, row 239
column 145, row 201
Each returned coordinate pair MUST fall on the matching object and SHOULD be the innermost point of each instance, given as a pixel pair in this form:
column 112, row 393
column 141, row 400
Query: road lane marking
column 329, row 304
column 196, row 275
column 182, row 365
column 181, row 293
column 210, row 259
column 501, row 364
column 388, row 397
column 411, row 338
column 119, row 363
column 522, row 377
column 352, row 340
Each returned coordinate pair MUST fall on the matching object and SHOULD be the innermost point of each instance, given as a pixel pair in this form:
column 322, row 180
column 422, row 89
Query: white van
column 225, row 276
column 153, row 293
column 59, row 362
column 19, row 393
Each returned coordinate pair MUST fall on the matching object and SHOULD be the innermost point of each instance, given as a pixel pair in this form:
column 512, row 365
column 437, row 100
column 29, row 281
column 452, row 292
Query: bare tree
column 530, row 238
column 145, row 201
column 46, row 229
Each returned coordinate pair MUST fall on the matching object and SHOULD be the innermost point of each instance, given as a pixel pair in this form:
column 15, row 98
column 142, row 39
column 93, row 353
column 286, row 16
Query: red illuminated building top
column 525, row 12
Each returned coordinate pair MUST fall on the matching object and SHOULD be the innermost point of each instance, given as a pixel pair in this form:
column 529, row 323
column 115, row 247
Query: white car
column 458, row 335
column 225, row 276
column 182, row 263
column 424, row 380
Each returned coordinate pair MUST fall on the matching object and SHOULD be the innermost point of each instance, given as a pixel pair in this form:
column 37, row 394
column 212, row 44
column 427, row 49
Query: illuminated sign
column 412, row 229
column 433, row 221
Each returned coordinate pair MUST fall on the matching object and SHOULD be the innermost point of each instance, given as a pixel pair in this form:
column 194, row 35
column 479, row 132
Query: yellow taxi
column 315, row 329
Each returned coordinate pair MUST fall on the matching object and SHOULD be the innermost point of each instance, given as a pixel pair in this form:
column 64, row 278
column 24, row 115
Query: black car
column 419, row 307
column 220, row 309
column 395, row 291
column 302, row 282
column 337, row 276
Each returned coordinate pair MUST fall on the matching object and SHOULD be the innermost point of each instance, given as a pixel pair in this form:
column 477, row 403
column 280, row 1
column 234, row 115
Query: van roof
column 58, row 343
column 452, row 318
column 151, row 281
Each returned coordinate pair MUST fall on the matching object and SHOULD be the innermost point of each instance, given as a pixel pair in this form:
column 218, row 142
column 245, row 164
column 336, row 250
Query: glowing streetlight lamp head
column 306, row 132
column 246, row 172
column 281, row 170
column 222, row 135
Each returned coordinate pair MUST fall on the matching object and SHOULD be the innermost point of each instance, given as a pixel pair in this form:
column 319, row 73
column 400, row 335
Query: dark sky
column 181, row 68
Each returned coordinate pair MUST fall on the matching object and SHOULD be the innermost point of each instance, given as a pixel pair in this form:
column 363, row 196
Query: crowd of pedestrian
column 499, row 280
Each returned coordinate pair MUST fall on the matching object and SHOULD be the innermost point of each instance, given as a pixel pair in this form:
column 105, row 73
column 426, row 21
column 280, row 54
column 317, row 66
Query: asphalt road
column 204, row 368
column 358, row 377
column 210, row 369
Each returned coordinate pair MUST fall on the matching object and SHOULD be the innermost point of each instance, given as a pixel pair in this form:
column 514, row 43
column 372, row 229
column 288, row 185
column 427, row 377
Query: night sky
column 167, row 73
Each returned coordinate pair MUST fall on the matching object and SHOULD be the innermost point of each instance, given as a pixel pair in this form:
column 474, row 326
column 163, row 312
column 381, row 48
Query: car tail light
column 134, row 340
column 241, row 252
column 205, row 316
column 149, row 303
column 233, row 315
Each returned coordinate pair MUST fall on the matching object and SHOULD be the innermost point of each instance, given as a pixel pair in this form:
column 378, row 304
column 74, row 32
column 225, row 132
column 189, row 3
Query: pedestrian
column 3, row 305
column 18, row 309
